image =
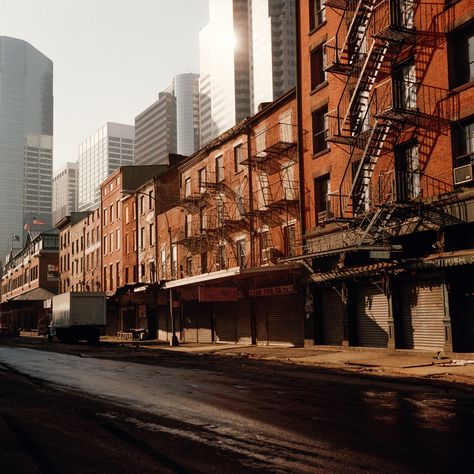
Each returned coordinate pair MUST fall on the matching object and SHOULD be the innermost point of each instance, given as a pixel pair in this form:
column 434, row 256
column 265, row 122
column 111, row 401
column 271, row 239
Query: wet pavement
column 182, row 413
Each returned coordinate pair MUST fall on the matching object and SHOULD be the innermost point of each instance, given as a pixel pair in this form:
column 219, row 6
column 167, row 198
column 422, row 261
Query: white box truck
column 78, row 316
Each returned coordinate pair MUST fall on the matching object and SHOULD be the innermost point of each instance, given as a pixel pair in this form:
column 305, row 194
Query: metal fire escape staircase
column 355, row 122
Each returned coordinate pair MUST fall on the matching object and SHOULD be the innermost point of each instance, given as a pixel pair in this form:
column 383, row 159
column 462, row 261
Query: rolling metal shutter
column 226, row 327
column 190, row 321
column 242, row 319
column 261, row 320
column 372, row 317
column 332, row 315
column 285, row 320
column 204, row 322
column 423, row 314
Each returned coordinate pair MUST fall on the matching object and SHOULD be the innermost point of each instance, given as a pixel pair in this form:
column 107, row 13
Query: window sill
column 321, row 153
column 319, row 87
column 317, row 28
column 461, row 88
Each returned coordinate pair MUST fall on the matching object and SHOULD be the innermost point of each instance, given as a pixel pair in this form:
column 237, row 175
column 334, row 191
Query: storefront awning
column 38, row 294
column 202, row 278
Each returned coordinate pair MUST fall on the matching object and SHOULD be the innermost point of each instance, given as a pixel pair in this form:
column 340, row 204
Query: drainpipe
column 299, row 114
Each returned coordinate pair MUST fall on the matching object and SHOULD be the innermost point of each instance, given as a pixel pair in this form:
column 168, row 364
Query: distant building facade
column 26, row 129
column 65, row 188
column 171, row 124
column 110, row 147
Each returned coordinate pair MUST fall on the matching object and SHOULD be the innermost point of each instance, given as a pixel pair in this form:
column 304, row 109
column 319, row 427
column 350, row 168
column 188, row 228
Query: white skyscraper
column 103, row 152
column 65, row 188
column 225, row 67
column 273, row 49
column 247, row 56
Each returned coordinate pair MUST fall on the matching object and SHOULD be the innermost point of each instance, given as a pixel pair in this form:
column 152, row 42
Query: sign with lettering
column 210, row 293
column 273, row 291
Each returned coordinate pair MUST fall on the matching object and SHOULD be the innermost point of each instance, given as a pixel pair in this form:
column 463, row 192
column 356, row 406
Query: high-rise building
column 247, row 57
column 273, row 49
column 155, row 131
column 225, row 67
column 102, row 153
column 65, row 186
column 38, row 173
column 26, row 121
column 171, row 124
column 186, row 91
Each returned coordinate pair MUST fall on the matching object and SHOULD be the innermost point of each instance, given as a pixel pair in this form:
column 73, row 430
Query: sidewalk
column 456, row 367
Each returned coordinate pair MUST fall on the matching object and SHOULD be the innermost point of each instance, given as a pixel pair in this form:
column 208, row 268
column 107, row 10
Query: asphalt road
column 168, row 412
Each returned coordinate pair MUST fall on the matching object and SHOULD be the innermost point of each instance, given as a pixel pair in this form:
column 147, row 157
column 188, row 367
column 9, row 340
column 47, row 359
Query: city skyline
column 130, row 65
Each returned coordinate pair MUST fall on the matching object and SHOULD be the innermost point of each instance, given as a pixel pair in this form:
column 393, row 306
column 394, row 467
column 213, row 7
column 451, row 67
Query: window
column 111, row 242
column 126, row 275
column 204, row 268
column 163, row 264
column 321, row 204
column 407, row 172
column 142, row 238
column 463, row 142
column 405, row 86
column 117, row 272
column 318, row 76
column 105, row 245
column 105, row 216
column 202, row 180
column 219, row 169
column 238, row 158
column 151, row 200
column 265, row 246
column 134, row 240
column 317, row 13
column 127, row 217
column 187, row 225
column 289, row 239
column 134, row 210
column 125, row 243
column 174, row 260
column 189, row 266
column 142, row 204
column 117, row 209
column 319, row 120
column 461, row 56
column 111, row 276
column 111, row 216
column 150, row 233
column 221, row 257
column 187, row 187
column 117, row 239
column 240, row 247
column 142, row 270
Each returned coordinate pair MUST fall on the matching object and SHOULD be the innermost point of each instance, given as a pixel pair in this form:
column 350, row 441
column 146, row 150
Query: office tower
column 171, row 124
column 65, row 186
column 273, row 49
column 186, row 91
column 38, row 174
column 225, row 67
column 110, row 147
column 26, row 111
column 155, row 131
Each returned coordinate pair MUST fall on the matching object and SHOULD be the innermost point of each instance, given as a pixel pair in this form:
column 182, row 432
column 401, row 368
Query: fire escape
column 376, row 105
column 275, row 200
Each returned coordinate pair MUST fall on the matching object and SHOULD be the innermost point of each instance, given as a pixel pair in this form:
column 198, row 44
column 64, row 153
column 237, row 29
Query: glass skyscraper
column 26, row 129
column 110, row 147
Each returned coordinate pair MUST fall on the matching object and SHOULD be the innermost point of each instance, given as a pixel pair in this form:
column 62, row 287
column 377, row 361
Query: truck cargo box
column 79, row 309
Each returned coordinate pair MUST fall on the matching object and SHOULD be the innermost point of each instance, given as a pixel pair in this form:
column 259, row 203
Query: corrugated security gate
column 190, row 321
column 226, row 325
column 332, row 316
column 242, row 317
column 204, row 311
column 372, row 317
column 280, row 320
column 423, row 313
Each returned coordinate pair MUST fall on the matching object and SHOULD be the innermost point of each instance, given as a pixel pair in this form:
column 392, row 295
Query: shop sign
column 53, row 272
column 273, row 291
column 214, row 294
column 450, row 261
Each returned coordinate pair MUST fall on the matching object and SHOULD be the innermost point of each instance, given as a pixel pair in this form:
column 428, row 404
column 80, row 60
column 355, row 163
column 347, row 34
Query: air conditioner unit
column 463, row 174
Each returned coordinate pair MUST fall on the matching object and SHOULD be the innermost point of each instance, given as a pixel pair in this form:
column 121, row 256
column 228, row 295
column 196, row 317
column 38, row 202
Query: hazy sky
column 111, row 57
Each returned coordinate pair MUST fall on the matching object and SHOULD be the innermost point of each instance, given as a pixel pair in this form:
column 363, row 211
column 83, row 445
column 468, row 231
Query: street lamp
column 130, row 192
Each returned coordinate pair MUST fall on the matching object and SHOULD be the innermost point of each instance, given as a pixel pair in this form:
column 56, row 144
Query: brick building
column 30, row 277
column 238, row 215
column 386, row 91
